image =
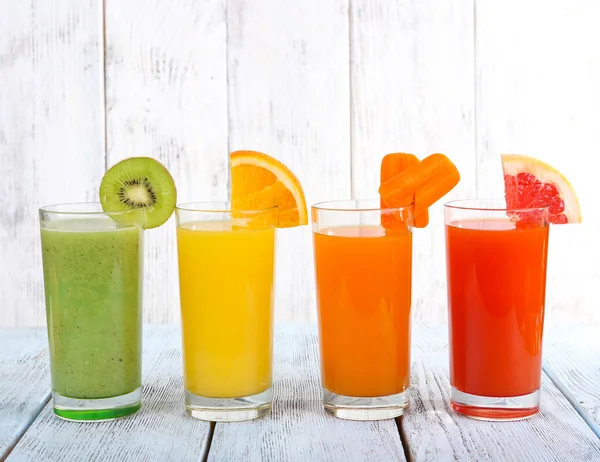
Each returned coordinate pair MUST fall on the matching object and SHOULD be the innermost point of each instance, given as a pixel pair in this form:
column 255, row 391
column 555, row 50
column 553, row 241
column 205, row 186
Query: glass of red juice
column 496, row 271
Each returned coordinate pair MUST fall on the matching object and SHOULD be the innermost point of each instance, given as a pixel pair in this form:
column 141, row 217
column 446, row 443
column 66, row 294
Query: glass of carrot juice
column 226, row 262
column 496, row 271
column 363, row 267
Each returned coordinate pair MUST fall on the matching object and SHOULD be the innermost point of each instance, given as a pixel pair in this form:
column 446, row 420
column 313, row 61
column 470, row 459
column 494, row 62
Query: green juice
column 93, row 287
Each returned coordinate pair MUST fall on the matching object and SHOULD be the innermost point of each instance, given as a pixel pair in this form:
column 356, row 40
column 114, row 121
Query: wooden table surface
column 297, row 429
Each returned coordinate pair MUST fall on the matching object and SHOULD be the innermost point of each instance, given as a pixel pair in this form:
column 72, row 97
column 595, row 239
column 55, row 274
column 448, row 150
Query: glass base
column 492, row 408
column 97, row 410
column 360, row 408
column 228, row 409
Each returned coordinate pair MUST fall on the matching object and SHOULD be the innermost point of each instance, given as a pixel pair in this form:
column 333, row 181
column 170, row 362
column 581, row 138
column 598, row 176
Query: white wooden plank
column 571, row 353
column 159, row 431
column 538, row 68
column 288, row 97
column 298, row 429
column 434, row 432
column 51, row 133
column 24, row 382
column 412, row 69
column 166, row 98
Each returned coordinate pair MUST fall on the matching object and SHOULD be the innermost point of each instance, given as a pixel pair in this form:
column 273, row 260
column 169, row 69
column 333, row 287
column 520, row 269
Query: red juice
column 496, row 293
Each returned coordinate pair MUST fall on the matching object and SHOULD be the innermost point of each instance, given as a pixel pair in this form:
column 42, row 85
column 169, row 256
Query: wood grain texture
column 537, row 92
column 412, row 80
column 434, row 432
column 288, row 97
column 298, row 429
column 159, row 431
column 24, row 382
column 51, row 133
column 166, row 97
column 571, row 353
column 327, row 87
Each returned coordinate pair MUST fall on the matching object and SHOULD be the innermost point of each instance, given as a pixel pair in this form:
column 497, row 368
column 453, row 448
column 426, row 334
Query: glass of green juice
column 93, row 264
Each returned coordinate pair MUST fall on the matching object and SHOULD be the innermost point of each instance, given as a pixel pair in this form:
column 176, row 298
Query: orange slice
column 259, row 181
column 529, row 182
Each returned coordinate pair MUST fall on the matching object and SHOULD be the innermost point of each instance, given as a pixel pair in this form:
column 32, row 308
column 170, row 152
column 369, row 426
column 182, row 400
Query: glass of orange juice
column 226, row 262
column 363, row 267
column 496, row 270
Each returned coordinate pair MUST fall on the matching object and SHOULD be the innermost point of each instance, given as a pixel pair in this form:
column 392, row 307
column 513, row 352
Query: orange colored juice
column 496, row 293
column 363, row 276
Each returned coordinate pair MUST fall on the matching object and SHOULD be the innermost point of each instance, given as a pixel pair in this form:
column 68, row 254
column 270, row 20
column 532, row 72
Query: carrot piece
column 428, row 181
column 392, row 165
column 422, row 219
column 433, row 191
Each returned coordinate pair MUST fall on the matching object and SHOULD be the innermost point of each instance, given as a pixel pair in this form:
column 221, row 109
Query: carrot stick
column 392, row 165
column 428, row 181
column 433, row 191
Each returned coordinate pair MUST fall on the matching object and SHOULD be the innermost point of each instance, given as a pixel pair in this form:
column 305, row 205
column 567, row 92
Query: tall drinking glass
column 496, row 270
column 93, row 283
column 363, row 266
column 226, row 263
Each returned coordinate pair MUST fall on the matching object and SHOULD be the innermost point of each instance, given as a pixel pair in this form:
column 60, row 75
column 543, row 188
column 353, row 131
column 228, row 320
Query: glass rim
column 461, row 204
column 327, row 206
column 70, row 208
column 220, row 207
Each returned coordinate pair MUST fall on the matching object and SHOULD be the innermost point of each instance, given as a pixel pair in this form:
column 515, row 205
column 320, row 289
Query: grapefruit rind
column 513, row 164
column 283, row 174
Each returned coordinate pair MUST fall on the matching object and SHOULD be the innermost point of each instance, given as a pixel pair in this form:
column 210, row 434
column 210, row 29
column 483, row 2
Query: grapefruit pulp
column 529, row 183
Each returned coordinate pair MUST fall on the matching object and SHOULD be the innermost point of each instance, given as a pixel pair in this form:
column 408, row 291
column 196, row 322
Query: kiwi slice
column 139, row 183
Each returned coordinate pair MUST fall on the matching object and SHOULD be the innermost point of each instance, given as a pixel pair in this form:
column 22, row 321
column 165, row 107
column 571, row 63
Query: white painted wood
column 571, row 353
column 327, row 87
column 159, row 431
column 412, row 80
column 538, row 68
column 434, row 432
column 166, row 97
column 51, row 133
column 298, row 429
column 24, row 382
column 289, row 97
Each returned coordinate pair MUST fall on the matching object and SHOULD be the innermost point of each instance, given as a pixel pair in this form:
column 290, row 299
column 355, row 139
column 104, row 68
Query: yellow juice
column 226, row 288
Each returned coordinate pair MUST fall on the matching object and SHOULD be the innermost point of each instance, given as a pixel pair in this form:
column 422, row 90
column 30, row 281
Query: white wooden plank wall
column 412, row 91
column 288, row 86
column 327, row 87
column 166, row 97
column 51, row 133
column 538, row 68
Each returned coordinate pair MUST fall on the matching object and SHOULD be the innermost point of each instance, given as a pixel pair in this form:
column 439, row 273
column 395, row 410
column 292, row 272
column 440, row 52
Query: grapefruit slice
column 529, row 182
column 259, row 181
